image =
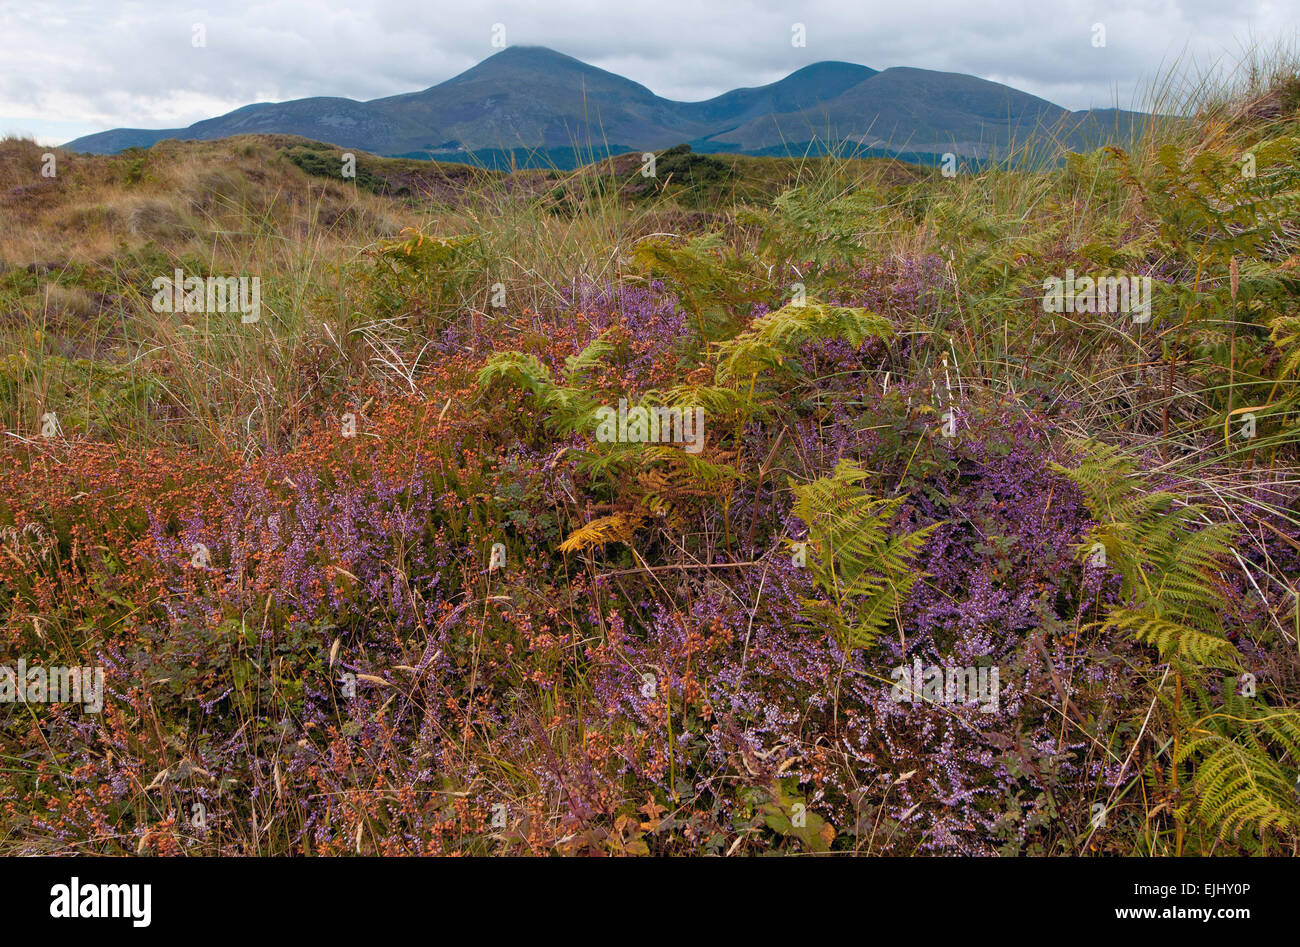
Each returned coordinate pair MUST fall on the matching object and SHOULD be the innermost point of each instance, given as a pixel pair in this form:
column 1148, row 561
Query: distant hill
column 530, row 105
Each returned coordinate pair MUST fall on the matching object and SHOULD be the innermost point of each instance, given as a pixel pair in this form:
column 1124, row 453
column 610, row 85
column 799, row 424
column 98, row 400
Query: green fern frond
column 1170, row 561
column 567, row 408
column 517, row 369
column 1243, row 754
column 864, row 572
column 772, row 338
column 713, row 285
column 592, row 357
column 1246, row 756
column 1174, row 638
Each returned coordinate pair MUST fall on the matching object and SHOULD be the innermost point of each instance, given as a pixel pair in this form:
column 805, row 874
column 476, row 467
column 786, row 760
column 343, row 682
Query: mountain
column 528, row 99
column 912, row 109
column 820, row 82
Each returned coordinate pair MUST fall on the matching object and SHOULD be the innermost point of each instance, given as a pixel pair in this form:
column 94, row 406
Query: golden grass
column 179, row 195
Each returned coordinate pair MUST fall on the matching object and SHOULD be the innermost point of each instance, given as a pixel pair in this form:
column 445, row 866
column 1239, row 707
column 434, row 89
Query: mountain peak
column 527, row 69
column 541, row 59
column 533, row 56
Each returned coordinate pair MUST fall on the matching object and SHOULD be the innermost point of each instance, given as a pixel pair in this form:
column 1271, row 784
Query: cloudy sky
column 68, row 68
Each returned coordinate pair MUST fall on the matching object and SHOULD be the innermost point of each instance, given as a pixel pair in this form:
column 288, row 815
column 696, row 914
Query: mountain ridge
column 531, row 98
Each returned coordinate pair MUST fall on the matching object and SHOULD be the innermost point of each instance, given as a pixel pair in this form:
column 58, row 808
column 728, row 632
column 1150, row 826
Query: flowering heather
column 367, row 580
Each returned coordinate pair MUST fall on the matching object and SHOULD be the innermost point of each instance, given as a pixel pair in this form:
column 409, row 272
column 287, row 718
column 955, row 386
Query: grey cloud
column 119, row 62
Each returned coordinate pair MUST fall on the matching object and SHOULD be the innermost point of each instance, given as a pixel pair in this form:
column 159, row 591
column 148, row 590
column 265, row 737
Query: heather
column 363, row 579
